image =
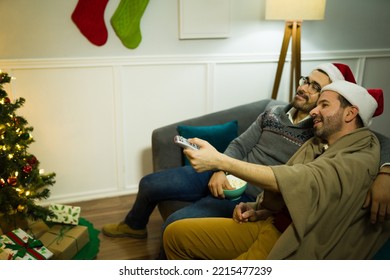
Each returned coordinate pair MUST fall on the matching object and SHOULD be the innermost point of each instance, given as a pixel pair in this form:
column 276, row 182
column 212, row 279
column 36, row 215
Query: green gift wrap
column 64, row 214
column 23, row 246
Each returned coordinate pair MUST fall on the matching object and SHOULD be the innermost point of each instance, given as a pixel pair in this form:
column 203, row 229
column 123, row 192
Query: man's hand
column 204, row 159
column 218, row 182
column 379, row 198
column 244, row 213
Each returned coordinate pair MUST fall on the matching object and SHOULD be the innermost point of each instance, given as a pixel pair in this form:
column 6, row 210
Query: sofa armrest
column 167, row 155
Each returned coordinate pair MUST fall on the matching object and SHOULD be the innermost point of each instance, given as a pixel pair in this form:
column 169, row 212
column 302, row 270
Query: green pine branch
column 21, row 183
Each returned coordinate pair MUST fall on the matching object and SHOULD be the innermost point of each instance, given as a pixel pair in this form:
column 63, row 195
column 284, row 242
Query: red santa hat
column 377, row 93
column 357, row 96
column 340, row 71
column 337, row 71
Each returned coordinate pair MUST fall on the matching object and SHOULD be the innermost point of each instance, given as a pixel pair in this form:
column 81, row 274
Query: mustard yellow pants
column 219, row 239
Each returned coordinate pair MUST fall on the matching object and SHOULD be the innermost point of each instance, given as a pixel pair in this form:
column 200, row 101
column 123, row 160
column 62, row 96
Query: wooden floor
column 112, row 210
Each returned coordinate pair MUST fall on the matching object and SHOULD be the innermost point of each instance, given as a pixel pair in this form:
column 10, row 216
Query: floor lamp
column 293, row 12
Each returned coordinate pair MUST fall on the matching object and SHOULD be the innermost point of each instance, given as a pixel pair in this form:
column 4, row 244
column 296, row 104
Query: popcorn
column 235, row 182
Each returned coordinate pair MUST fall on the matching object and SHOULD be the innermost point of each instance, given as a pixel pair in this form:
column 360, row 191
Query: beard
column 330, row 125
column 304, row 106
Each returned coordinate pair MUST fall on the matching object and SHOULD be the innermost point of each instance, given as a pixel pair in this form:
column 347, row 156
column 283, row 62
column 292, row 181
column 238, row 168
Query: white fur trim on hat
column 333, row 72
column 357, row 96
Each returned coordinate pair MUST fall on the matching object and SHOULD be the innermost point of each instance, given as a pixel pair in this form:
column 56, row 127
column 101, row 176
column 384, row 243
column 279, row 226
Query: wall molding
column 86, row 196
column 181, row 59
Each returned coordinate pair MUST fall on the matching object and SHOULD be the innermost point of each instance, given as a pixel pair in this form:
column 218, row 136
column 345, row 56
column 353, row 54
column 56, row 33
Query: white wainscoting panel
column 154, row 96
column 72, row 112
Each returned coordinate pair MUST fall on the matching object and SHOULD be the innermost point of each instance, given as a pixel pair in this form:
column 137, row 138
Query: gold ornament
column 2, row 129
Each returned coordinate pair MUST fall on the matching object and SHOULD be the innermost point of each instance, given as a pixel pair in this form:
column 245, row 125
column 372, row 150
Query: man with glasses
column 271, row 140
column 313, row 88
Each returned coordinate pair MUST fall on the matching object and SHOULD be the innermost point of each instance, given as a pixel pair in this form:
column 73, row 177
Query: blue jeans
column 182, row 183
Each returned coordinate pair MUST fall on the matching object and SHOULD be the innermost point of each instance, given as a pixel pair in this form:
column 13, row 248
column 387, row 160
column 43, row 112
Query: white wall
column 93, row 108
column 43, row 29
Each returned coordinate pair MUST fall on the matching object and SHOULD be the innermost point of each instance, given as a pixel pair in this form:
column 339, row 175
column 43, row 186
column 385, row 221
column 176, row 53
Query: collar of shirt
column 291, row 113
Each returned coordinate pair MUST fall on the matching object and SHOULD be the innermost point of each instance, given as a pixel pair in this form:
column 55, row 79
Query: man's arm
column 239, row 149
column 208, row 158
column 243, row 144
column 379, row 194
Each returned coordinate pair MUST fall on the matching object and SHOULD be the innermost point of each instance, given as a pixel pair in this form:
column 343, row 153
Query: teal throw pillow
column 219, row 135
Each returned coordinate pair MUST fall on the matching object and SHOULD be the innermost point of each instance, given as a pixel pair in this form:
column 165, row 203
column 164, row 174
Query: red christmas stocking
column 89, row 18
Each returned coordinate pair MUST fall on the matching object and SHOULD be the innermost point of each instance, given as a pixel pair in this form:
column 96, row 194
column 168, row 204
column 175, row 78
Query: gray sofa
column 167, row 155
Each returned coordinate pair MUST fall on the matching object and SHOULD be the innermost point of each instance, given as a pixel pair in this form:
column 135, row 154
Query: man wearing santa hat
column 320, row 190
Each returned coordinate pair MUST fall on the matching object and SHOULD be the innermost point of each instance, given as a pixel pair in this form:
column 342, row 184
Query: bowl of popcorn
column 239, row 186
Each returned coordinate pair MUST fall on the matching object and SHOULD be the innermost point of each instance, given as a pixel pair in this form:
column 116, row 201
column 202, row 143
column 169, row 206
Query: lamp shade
column 295, row 9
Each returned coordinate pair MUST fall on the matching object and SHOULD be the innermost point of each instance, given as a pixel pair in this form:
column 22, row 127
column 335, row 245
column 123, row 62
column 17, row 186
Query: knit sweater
column 271, row 140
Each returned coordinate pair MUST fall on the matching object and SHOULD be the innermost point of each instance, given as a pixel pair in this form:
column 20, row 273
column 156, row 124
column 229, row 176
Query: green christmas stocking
column 126, row 21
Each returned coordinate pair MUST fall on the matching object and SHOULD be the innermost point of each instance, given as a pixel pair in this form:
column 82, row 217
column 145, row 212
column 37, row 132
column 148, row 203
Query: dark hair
column 344, row 103
column 323, row 72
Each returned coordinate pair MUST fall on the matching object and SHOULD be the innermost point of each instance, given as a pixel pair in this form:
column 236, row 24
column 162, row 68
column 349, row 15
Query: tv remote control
column 183, row 142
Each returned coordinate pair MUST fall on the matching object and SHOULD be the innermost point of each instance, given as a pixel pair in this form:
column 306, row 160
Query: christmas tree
column 22, row 183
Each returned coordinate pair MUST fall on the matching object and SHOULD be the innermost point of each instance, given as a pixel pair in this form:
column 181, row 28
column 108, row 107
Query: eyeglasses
column 312, row 88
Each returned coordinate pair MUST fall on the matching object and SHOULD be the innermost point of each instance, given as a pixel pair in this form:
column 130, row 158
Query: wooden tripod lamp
column 293, row 12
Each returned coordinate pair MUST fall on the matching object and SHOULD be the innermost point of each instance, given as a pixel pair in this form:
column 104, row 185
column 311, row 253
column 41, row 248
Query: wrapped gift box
column 64, row 214
column 5, row 254
column 37, row 228
column 65, row 241
column 23, row 246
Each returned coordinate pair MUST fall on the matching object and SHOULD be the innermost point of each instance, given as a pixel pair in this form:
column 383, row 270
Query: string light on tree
column 22, row 182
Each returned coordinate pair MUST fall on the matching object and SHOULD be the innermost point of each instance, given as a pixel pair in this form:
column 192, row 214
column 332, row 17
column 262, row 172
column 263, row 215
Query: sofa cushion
column 219, row 135
column 383, row 253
